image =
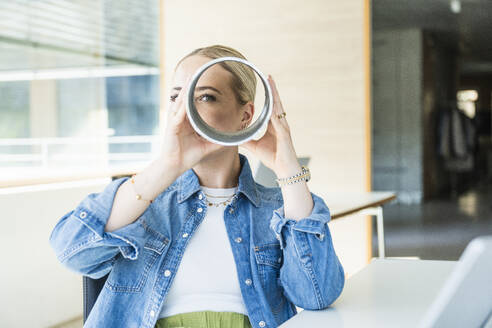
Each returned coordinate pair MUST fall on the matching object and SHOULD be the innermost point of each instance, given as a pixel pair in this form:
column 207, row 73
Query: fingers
column 169, row 111
column 277, row 103
column 277, row 107
column 173, row 108
column 180, row 106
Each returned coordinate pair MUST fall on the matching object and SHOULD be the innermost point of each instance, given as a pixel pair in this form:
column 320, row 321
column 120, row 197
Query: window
column 79, row 83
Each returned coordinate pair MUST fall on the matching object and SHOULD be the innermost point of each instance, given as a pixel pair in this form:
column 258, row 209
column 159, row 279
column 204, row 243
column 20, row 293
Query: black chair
column 92, row 287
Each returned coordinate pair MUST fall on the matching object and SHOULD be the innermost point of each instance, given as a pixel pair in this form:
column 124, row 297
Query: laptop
column 465, row 299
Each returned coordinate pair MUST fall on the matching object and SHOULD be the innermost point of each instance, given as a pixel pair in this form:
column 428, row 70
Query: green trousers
column 205, row 319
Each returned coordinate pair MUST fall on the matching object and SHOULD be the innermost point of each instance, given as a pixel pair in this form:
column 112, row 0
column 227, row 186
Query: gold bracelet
column 138, row 196
column 304, row 175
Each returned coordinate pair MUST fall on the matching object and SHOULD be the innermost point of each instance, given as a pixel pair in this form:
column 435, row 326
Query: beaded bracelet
column 137, row 195
column 304, row 175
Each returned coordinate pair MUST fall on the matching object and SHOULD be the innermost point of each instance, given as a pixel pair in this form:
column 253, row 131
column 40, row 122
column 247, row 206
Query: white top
column 206, row 279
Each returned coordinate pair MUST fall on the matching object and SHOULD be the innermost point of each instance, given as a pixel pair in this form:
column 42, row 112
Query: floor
column 439, row 229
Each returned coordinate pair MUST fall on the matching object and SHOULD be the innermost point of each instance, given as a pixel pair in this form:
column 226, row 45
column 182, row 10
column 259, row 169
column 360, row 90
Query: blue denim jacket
column 280, row 262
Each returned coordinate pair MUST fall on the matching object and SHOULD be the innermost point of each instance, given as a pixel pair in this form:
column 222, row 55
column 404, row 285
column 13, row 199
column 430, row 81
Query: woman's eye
column 173, row 98
column 206, row 98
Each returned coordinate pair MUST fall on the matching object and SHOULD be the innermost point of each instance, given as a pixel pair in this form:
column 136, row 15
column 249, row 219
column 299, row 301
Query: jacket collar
column 189, row 183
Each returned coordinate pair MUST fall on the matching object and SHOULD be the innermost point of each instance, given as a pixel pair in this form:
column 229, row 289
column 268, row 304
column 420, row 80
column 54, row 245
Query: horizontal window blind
column 122, row 30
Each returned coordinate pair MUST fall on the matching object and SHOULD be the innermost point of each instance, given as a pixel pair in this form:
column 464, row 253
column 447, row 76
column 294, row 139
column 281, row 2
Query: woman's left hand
column 275, row 149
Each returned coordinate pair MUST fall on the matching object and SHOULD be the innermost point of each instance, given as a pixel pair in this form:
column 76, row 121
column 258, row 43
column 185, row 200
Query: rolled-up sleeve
column 311, row 274
column 80, row 242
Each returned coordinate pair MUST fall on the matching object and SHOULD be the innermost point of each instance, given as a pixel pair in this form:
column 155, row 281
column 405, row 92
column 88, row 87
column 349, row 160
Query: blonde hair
column 243, row 77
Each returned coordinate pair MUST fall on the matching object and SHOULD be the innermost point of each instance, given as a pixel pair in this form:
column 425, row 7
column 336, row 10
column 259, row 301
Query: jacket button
column 167, row 273
column 200, row 196
column 238, row 240
column 261, row 323
column 185, row 235
column 83, row 215
column 199, row 210
column 152, row 313
column 231, row 210
column 248, row 282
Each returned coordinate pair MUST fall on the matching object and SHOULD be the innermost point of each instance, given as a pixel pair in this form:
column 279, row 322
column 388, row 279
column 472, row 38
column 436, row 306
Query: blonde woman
column 192, row 240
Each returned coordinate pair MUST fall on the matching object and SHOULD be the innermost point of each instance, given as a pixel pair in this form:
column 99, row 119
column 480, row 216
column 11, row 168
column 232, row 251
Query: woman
column 192, row 240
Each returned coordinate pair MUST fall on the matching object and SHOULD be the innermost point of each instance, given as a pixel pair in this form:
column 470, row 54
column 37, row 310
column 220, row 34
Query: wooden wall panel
column 317, row 53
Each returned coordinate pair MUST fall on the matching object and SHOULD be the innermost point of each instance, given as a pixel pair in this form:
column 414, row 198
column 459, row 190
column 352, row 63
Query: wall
column 37, row 290
column 315, row 52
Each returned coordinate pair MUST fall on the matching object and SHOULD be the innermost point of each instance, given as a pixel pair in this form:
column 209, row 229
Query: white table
column 368, row 203
column 386, row 293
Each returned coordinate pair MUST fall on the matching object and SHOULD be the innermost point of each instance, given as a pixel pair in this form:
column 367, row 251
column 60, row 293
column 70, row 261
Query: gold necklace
column 218, row 196
column 221, row 203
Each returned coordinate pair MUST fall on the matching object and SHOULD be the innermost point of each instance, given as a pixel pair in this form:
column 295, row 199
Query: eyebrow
column 201, row 89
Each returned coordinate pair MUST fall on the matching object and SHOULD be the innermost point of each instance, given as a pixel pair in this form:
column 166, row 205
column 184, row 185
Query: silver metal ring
column 228, row 138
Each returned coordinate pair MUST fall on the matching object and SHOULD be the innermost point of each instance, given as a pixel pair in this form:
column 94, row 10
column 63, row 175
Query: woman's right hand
column 182, row 146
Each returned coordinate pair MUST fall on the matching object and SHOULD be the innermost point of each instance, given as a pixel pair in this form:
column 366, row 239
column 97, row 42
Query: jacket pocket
column 130, row 275
column 269, row 258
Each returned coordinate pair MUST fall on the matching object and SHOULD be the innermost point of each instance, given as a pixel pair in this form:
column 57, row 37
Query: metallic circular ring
column 254, row 131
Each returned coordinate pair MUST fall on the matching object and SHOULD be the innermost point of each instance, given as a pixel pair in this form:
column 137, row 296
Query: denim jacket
column 280, row 262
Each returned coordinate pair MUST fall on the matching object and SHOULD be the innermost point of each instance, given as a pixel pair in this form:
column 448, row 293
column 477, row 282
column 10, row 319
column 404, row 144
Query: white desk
column 386, row 293
column 368, row 203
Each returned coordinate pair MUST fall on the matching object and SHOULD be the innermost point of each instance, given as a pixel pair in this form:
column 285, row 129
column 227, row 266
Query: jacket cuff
column 94, row 213
column 315, row 223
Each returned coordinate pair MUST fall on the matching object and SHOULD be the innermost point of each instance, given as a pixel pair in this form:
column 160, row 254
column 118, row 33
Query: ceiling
column 469, row 32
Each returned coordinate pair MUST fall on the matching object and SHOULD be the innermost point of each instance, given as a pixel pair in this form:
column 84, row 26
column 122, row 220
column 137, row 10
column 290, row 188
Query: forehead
column 215, row 75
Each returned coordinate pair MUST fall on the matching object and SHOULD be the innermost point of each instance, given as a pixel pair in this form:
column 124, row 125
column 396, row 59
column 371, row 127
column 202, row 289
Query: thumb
column 250, row 145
